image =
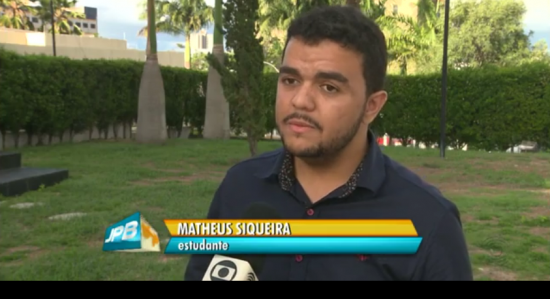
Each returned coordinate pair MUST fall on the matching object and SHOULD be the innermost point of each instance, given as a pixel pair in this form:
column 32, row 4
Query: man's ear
column 375, row 103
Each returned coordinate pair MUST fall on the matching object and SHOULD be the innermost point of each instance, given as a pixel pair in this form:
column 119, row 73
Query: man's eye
column 289, row 81
column 329, row 88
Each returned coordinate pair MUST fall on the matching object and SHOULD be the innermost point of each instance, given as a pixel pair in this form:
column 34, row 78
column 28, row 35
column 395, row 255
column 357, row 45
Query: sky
column 119, row 19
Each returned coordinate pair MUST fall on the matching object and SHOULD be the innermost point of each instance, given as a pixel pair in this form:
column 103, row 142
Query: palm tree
column 216, row 119
column 14, row 14
column 277, row 14
column 406, row 40
column 412, row 40
column 182, row 17
column 62, row 16
column 151, row 122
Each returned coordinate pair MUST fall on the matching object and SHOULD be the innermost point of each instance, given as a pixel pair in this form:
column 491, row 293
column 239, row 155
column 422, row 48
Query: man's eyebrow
column 289, row 71
column 332, row 76
column 326, row 75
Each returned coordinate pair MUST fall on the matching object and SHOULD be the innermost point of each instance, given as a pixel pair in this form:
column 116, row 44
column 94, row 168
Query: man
column 330, row 89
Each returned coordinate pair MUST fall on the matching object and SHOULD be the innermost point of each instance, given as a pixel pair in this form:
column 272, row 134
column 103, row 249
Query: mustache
column 303, row 117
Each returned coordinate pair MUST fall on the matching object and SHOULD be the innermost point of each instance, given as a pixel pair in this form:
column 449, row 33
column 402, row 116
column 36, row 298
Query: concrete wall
column 79, row 47
column 174, row 59
column 7, row 142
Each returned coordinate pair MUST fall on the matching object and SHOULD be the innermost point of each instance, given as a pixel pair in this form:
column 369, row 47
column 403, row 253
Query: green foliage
column 14, row 14
column 47, row 95
column 199, row 62
column 487, row 108
column 487, row 32
column 242, row 76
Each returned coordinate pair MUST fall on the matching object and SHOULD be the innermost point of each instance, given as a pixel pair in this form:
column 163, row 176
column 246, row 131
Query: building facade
column 88, row 25
column 201, row 42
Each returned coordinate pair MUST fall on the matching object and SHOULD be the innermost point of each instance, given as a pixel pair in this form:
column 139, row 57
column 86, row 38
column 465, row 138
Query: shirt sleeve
column 446, row 257
column 198, row 263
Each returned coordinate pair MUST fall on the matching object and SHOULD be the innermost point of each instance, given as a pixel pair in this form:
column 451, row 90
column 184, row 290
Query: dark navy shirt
column 379, row 189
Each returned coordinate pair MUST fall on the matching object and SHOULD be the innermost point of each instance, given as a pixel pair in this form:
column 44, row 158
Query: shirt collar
column 370, row 173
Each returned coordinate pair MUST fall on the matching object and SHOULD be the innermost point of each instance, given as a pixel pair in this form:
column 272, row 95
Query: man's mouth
column 300, row 123
column 299, row 126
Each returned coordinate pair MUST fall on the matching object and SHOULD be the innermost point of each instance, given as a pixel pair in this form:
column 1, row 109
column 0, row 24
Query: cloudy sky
column 119, row 19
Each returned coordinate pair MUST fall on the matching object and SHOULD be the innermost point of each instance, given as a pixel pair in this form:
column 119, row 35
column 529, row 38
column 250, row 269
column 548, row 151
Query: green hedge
column 50, row 95
column 488, row 108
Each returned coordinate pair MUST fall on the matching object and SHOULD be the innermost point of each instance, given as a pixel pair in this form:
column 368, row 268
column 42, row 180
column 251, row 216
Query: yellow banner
column 296, row 228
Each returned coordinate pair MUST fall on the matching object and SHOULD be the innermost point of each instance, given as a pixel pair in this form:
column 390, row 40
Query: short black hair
column 349, row 27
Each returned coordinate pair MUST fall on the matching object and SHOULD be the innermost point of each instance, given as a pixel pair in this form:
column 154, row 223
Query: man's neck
column 333, row 171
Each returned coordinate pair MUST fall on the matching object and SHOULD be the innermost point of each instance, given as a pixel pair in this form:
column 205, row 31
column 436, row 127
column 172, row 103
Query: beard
column 327, row 148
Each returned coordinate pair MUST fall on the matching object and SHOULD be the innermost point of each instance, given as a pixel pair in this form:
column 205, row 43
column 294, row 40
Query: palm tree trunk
column 187, row 62
column 216, row 120
column 403, row 67
column 151, row 122
column 148, row 47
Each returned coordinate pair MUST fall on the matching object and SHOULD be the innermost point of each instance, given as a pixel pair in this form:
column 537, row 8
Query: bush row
column 490, row 108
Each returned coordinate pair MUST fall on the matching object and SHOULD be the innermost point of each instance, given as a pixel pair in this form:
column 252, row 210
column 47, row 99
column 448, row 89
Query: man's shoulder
column 419, row 190
column 257, row 165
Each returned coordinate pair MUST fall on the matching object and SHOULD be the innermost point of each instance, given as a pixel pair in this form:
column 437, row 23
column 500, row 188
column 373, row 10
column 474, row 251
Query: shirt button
column 299, row 258
column 310, row 212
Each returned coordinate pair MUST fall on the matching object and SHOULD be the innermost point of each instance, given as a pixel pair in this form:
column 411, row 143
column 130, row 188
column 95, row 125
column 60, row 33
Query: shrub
column 489, row 108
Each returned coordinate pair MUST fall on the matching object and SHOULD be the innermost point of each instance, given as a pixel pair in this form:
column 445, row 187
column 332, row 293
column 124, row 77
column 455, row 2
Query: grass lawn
column 504, row 200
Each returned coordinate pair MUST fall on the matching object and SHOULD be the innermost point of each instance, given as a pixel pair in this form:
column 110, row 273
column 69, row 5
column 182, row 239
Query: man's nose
column 304, row 98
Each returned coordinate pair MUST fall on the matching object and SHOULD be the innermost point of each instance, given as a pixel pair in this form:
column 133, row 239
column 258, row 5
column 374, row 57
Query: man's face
column 321, row 98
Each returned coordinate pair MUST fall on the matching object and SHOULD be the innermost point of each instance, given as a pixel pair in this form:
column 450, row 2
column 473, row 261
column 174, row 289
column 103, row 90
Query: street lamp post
column 53, row 28
column 442, row 124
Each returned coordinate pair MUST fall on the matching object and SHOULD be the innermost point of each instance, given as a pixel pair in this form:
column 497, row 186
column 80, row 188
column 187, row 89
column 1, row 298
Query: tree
column 277, row 14
column 275, row 17
column 151, row 122
column 536, row 53
column 216, row 119
column 14, row 14
column 182, row 17
column 486, row 32
column 412, row 39
column 539, row 51
column 62, row 16
column 242, row 76
column 199, row 62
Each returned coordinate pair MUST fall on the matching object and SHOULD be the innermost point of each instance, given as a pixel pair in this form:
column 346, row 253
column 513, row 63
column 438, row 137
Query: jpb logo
column 132, row 234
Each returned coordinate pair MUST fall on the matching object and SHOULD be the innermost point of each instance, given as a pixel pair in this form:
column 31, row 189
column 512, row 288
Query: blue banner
column 292, row 245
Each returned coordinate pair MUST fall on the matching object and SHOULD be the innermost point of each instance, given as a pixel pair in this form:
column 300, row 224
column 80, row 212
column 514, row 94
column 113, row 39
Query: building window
column 395, row 9
column 92, row 26
column 204, row 42
column 35, row 20
column 78, row 24
column 85, row 25
column 70, row 23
